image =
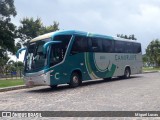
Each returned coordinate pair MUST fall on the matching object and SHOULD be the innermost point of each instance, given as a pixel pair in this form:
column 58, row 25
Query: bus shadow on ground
column 84, row 84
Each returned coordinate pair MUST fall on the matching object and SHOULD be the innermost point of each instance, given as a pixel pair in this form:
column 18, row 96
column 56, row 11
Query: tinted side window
column 137, row 48
column 128, row 47
column 64, row 38
column 108, row 46
column 119, row 47
column 80, row 44
column 95, row 45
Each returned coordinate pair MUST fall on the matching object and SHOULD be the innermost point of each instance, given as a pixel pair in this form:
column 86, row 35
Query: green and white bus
column 72, row 57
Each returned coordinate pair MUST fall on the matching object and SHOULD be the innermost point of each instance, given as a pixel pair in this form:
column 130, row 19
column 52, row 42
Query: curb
column 13, row 88
column 150, row 72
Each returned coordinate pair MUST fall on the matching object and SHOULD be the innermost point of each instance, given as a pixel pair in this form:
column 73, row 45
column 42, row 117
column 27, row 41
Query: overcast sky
column 109, row 17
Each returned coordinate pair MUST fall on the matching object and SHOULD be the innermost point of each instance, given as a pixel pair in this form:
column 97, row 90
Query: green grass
column 151, row 69
column 11, row 82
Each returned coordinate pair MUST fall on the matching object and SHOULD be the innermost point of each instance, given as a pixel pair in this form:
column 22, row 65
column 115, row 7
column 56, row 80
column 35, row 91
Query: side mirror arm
column 19, row 51
column 45, row 46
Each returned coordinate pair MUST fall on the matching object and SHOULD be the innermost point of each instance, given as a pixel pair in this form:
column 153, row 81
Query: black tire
column 127, row 73
column 75, row 80
column 53, row 86
column 107, row 79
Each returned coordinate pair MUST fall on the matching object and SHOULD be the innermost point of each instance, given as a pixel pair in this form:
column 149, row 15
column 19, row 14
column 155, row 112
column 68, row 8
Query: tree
column 18, row 46
column 7, row 29
column 3, row 62
column 126, row 37
column 145, row 59
column 13, row 66
column 130, row 37
column 153, row 52
column 133, row 37
column 19, row 67
column 51, row 28
column 31, row 28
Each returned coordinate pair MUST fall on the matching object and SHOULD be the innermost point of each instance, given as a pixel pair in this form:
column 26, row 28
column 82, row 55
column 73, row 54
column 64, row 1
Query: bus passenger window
column 80, row 44
column 108, row 45
column 128, row 47
column 96, row 45
column 119, row 47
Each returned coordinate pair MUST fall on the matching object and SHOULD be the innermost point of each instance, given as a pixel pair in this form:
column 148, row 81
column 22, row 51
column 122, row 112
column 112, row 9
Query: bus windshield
column 35, row 59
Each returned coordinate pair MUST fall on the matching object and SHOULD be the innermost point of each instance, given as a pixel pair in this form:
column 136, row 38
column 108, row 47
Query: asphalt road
column 141, row 92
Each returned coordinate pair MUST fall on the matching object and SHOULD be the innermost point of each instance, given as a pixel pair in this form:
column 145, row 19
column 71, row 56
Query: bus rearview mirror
column 45, row 46
column 19, row 51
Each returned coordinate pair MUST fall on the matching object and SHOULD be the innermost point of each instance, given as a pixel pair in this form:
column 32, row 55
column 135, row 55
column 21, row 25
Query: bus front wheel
column 75, row 80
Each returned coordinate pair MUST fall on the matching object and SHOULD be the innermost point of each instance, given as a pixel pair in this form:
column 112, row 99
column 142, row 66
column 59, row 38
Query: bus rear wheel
column 127, row 73
column 75, row 80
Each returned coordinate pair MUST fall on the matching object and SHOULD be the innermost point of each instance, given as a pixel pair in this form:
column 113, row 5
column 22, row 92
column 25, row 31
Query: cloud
column 139, row 17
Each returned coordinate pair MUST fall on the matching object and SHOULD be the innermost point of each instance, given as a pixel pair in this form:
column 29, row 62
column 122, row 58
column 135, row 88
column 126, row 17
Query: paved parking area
column 141, row 92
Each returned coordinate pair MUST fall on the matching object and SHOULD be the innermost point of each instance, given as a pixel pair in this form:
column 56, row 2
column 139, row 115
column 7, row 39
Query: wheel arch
column 128, row 67
column 78, row 71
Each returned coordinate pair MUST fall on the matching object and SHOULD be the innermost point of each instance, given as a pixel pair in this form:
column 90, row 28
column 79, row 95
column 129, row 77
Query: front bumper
column 37, row 79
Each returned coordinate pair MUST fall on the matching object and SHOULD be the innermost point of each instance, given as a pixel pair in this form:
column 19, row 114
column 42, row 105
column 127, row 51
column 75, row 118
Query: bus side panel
column 58, row 75
column 99, row 65
column 77, row 62
column 61, row 73
column 122, row 60
column 95, row 66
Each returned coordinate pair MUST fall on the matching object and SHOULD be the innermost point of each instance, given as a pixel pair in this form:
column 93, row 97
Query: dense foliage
column 153, row 53
column 28, row 29
column 31, row 28
column 7, row 29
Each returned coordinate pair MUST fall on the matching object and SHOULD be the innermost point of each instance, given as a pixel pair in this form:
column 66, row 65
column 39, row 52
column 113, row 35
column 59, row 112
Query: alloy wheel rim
column 75, row 79
column 127, row 73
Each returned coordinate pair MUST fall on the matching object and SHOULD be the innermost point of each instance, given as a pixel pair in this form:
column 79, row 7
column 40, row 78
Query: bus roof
column 75, row 32
column 48, row 35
